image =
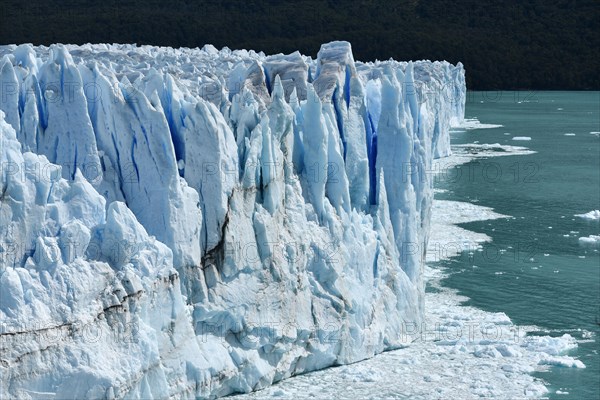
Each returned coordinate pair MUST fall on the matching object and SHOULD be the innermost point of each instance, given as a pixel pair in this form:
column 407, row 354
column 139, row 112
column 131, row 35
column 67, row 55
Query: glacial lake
column 536, row 270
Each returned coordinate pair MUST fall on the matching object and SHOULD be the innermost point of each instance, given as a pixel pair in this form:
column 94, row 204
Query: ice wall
column 195, row 222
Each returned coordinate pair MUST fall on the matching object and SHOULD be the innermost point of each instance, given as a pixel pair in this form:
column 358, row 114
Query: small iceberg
column 593, row 215
column 593, row 240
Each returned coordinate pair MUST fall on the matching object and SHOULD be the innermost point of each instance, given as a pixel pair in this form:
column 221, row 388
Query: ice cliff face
column 192, row 223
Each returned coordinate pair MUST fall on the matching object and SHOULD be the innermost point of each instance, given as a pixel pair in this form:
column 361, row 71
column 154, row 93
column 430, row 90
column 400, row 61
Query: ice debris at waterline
column 194, row 223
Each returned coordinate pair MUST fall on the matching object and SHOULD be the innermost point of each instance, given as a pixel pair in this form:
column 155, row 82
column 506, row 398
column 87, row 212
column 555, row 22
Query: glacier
column 193, row 223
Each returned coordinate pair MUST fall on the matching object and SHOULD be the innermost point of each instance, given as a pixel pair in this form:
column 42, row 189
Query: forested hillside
column 531, row 44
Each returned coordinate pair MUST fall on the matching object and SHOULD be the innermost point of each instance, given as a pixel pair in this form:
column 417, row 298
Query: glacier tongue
column 195, row 222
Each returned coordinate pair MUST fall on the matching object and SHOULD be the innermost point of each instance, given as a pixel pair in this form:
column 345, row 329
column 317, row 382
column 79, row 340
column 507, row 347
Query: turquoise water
column 531, row 270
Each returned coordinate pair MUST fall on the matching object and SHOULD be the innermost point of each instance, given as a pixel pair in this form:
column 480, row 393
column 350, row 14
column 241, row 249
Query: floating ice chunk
column 592, row 215
column 521, row 138
column 565, row 361
column 553, row 346
column 473, row 123
column 593, row 240
column 466, row 152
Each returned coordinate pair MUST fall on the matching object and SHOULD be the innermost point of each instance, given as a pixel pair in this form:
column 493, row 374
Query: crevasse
column 195, row 222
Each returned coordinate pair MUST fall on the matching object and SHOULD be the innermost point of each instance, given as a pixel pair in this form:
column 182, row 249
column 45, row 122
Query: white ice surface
column 463, row 153
column 473, row 123
column 593, row 215
column 593, row 240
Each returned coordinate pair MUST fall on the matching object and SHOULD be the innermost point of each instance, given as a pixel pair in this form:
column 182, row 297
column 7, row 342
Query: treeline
column 529, row 44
